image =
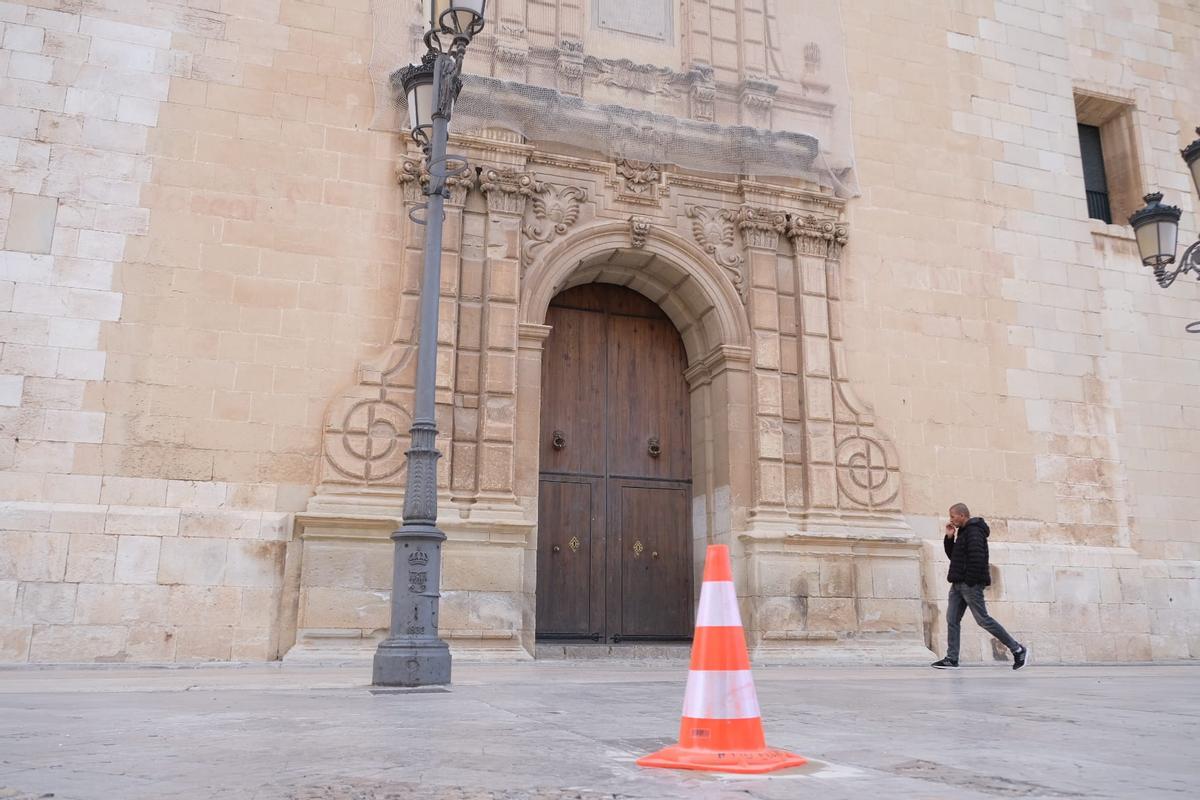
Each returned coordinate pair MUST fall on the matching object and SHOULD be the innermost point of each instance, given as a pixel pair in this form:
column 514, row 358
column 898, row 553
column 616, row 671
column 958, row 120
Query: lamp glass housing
column 1191, row 154
column 1156, row 228
column 456, row 17
column 417, row 83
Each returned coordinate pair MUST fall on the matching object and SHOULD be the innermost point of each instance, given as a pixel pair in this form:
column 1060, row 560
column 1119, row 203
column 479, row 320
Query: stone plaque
column 649, row 18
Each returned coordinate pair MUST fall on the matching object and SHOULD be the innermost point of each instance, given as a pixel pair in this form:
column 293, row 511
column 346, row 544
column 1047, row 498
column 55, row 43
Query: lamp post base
column 400, row 662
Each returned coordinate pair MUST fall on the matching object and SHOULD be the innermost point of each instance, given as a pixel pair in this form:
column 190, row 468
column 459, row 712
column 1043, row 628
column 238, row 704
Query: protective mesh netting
column 579, row 92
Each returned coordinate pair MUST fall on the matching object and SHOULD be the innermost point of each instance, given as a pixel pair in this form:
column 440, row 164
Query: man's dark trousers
column 963, row 597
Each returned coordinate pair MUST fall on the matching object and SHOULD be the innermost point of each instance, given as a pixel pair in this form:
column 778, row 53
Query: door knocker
column 655, row 447
column 559, row 440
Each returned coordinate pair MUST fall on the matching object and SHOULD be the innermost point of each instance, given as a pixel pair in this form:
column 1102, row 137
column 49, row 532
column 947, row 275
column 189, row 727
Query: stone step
column 625, row 651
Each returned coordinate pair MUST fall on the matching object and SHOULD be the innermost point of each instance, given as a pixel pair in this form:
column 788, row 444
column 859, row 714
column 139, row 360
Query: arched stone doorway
column 672, row 284
column 615, row 488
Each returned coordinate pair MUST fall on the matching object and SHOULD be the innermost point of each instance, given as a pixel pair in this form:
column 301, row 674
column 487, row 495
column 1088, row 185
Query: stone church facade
column 209, row 299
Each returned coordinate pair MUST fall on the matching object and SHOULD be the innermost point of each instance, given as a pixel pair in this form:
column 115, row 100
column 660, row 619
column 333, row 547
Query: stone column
column 450, row 321
column 760, row 229
column 756, row 94
column 531, row 343
column 720, row 385
column 810, row 240
column 507, row 189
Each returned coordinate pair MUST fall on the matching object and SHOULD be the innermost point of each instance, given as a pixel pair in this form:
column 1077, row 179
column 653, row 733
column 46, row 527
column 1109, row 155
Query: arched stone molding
column 668, row 269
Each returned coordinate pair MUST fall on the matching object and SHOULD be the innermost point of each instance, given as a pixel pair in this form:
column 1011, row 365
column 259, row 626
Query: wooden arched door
column 614, row 525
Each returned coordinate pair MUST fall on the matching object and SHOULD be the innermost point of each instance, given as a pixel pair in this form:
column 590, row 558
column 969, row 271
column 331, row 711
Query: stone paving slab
column 552, row 731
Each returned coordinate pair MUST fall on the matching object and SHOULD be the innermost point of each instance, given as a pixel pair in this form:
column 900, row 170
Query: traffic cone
column 721, row 729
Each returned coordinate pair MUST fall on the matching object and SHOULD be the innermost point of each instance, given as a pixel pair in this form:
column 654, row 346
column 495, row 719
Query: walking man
column 966, row 545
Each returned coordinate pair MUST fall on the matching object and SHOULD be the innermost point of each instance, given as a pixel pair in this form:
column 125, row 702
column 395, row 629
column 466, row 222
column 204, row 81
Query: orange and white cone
column 721, row 729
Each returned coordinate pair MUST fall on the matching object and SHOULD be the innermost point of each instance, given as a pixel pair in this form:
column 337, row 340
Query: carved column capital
column 822, row 237
column 413, row 177
column 508, row 189
column 761, row 227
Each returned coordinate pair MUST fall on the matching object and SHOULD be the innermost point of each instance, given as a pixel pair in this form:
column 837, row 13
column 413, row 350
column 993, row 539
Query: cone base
column 748, row 762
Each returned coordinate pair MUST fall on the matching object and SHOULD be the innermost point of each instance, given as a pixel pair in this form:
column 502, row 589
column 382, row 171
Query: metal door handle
column 654, row 447
column 558, row 440
column 556, row 549
column 654, row 554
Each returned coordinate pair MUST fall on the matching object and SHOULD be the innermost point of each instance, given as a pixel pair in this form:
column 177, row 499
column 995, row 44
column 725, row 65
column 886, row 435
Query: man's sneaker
column 945, row 663
column 1021, row 657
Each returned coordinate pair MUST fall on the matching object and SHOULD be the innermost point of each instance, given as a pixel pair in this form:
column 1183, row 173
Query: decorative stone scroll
column 715, row 231
column 552, row 213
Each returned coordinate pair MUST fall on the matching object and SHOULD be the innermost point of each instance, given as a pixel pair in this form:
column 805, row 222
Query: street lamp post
column 1156, row 227
column 413, row 654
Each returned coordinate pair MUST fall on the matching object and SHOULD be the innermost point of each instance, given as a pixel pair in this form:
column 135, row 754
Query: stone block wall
column 1025, row 360
column 204, row 246
column 196, row 229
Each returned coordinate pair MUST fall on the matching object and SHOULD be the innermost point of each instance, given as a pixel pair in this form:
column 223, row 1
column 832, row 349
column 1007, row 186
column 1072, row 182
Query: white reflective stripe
column 720, row 695
column 718, row 605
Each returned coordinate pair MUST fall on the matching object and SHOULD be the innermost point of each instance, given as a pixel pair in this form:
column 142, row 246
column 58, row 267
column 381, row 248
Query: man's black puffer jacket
column 969, row 554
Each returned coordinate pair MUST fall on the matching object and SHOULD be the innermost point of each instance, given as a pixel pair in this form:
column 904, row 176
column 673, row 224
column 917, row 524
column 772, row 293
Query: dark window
column 1095, row 182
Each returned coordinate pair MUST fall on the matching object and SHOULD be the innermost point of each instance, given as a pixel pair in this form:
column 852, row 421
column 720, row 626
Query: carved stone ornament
column 816, row 236
column 703, row 94
column 866, row 477
column 758, row 94
column 570, row 67
column 552, row 213
column 507, row 189
column 646, row 78
column 841, row 235
column 366, row 444
column 757, row 97
column 715, row 231
column 640, row 176
column 510, row 58
column 412, row 175
column 761, row 227
column 812, row 57
column 367, row 430
column 639, row 229
column 639, row 181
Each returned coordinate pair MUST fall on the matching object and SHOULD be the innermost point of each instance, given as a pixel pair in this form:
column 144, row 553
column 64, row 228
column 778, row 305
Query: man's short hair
column 960, row 508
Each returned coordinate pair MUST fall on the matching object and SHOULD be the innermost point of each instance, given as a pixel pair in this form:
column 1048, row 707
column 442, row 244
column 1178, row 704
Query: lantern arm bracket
column 447, row 85
column 1189, row 263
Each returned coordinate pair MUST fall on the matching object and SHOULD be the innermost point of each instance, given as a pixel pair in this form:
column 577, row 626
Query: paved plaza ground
column 552, row 730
